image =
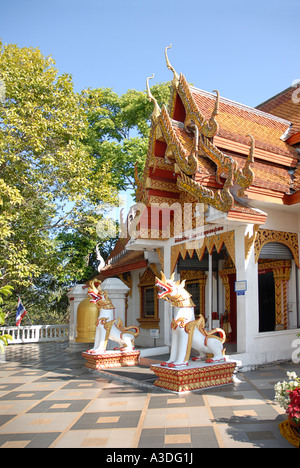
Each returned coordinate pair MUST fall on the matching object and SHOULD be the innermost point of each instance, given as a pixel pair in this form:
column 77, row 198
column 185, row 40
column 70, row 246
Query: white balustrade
column 36, row 333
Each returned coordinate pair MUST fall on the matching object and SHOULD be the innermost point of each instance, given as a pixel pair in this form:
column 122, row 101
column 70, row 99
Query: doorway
column 267, row 307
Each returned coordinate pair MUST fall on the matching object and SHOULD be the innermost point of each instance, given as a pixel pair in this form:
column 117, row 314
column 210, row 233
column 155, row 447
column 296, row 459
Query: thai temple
column 218, row 205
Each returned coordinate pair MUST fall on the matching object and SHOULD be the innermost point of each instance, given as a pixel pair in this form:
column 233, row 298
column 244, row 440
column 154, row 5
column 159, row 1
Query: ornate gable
column 207, row 149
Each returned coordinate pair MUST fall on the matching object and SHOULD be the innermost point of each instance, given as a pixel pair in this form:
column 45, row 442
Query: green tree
column 50, row 184
column 62, row 155
column 119, row 129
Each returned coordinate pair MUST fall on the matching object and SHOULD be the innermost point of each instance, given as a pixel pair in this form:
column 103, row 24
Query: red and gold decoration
column 113, row 359
column 195, row 377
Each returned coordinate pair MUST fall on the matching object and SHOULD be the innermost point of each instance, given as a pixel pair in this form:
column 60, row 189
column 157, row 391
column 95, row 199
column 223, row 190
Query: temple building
column 218, row 205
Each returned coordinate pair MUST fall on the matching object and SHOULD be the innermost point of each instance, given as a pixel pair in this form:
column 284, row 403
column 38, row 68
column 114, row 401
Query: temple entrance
column 223, row 304
column 274, row 269
column 267, row 306
column 232, row 316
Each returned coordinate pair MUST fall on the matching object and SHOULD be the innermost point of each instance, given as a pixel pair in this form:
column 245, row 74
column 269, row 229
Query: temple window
column 195, row 285
column 148, row 301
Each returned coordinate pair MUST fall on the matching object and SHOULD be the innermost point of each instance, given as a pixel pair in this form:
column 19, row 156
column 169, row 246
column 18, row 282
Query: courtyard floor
column 48, row 400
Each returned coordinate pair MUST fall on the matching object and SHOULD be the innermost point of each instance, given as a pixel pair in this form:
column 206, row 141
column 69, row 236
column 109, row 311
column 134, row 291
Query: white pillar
column 117, row 291
column 167, row 305
column 247, row 305
column 210, row 292
column 76, row 295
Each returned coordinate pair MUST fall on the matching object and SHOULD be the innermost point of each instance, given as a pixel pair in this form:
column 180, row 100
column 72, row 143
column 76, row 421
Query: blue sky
column 249, row 51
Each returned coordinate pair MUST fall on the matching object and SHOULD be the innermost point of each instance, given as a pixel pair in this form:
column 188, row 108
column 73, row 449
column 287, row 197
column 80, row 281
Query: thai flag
column 21, row 312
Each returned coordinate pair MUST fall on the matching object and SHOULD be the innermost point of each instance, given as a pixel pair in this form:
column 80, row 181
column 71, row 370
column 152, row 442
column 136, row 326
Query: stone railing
column 36, row 333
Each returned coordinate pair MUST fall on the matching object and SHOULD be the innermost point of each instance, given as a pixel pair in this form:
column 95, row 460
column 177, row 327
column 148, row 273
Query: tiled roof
column 285, row 105
column 266, row 175
column 236, row 121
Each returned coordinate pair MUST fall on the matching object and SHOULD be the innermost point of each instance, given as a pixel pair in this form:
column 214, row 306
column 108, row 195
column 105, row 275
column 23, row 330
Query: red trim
column 292, row 199
column 294, row 139
column 123, row 269
column 160, row 148
column 161, row 193
column 179, row 113
column 163, row 173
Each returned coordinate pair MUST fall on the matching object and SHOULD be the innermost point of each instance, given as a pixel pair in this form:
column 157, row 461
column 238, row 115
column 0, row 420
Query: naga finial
column 157, row 110
column 211, row 127
column 252, row 146
column 100, row 259
column 216, row 109
column 170, row 67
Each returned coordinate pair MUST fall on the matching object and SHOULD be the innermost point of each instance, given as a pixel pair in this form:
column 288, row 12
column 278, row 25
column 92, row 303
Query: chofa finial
column 170, row 67
column 157, row 110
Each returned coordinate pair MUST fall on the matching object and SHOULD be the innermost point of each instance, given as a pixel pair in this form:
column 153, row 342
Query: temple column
column 247, row 304
column 167, row 306
column 210, row 292
column 76, row 295
column 117, row 291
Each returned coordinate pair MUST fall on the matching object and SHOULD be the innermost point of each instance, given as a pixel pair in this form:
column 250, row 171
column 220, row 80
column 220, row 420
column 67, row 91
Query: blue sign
column 240, row 287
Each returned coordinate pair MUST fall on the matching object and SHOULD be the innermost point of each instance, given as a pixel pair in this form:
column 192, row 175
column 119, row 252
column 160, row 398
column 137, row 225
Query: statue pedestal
column 111, row 359
column 195, row 376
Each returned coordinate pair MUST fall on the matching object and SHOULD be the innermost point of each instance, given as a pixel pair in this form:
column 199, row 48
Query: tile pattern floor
column 47, row 399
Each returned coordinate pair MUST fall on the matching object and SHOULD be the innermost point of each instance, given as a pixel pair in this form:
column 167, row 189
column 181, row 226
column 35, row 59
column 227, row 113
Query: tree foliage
column 62, row 155
column 50, row 185
column 119, row 129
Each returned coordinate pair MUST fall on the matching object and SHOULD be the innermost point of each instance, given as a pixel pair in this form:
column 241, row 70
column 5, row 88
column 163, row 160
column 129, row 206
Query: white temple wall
column 282, row 220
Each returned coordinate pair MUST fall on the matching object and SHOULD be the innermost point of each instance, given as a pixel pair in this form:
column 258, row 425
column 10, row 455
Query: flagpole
column 29, row 319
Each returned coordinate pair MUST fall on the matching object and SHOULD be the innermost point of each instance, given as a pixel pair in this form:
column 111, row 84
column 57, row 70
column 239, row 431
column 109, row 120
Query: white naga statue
column 188, row 333
column 109, row 327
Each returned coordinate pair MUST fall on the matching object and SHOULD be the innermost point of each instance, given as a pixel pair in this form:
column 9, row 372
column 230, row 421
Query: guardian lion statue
column 188, row 333
column 109, row 327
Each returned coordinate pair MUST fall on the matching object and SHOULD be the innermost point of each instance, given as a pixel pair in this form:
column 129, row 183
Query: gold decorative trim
column 209, row 243
column 148, row 280
column 200, row 277
column 281, row 277
column 108, row 360
column 290, row 239
column 249, row 240
column 188, row 379
column 281, row 270
column 186, row 161
column 160, row 253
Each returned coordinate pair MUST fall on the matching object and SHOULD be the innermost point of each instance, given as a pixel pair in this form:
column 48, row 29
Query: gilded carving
column 210, row 127
column 249, row 240
column 185, row 146
column 290, row 239
column 186, row 161
column 281, row 277
column 147, row 280
column 209, row 243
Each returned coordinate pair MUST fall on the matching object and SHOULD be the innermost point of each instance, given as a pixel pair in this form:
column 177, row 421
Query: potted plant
column 293, row 409
column 287, row 394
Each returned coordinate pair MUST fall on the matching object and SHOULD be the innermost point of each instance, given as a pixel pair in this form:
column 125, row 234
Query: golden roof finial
column 157, row 110
column 170, row 67
column 216, row 109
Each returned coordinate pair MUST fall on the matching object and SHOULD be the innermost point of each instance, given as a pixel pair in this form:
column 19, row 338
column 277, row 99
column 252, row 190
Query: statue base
column 111, row 359
column 195, row 376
